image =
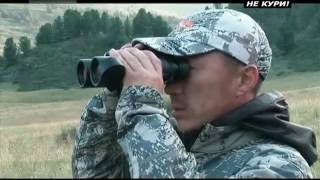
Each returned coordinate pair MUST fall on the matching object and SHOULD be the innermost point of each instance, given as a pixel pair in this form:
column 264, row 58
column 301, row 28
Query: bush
column 66, row 135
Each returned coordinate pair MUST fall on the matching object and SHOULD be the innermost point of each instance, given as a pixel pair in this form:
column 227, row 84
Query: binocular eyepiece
column 105, row 71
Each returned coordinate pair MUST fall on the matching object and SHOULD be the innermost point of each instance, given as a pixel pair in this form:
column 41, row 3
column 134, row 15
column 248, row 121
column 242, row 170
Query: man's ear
column 249, row 76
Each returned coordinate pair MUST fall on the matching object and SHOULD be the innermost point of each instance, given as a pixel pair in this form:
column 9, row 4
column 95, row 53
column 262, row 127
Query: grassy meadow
column 36, row 127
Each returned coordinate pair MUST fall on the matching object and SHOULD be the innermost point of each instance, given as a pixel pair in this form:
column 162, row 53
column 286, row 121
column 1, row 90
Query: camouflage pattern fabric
column 150, row 143
column 96, row 152
column 151, row 147
column 226, row 30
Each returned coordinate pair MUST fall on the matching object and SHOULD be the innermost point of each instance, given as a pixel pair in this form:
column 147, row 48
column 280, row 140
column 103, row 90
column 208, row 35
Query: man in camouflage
column 220, row 126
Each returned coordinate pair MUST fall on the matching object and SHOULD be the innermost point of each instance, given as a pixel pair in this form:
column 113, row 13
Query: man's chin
column 179, row 115
column 186, row 128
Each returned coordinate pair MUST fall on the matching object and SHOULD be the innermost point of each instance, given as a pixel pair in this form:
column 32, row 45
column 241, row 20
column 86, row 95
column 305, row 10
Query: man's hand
column 142, row 67
column 138, row 45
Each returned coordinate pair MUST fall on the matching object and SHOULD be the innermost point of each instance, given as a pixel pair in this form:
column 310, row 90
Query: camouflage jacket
column 133, row 136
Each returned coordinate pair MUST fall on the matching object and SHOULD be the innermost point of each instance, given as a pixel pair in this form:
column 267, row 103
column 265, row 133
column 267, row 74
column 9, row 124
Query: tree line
column 11, row 51
column 293, row 33
column 90, row 23
column 73, row 24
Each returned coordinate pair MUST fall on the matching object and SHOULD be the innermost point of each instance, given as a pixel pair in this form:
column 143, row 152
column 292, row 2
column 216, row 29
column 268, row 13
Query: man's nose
column 173, row 88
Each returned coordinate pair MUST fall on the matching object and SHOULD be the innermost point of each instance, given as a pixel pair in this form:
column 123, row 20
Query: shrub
column 66, row 135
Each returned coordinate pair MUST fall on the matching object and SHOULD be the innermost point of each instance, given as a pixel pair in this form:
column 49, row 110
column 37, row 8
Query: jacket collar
column 265, row 116
column 220, row 139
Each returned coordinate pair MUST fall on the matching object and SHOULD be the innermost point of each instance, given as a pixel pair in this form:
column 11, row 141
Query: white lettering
column 275, row 3
column 283, row 3
column 252, row 4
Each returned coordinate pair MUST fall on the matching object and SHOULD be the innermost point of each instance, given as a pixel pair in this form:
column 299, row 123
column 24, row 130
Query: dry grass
column 29, row 127
column 304, row 108
column 30, row 151
column 28, row 113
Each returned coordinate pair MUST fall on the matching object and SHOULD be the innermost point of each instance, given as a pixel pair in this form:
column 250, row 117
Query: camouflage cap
column 227, row 30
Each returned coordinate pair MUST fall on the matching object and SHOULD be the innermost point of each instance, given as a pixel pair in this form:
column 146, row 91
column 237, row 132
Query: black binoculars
column 105, row 71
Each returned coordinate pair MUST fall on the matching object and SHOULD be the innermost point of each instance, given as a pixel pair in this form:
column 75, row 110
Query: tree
column 160, row 27
column 149, row 25
column 127, row 28
column 72, row 23
column 141, row 24
column 95, row 21
column 90, row 22
column 10, row 52
column 104, row 22
column 45, row 35
column 116, row 35
column 85, row 23
column 316, row 24
column 286, row 42
column 58, row 30
column 1, row 61
column 25, row 45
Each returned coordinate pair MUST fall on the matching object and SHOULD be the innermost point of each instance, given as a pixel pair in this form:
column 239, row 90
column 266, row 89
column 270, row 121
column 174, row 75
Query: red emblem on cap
column 186, row 23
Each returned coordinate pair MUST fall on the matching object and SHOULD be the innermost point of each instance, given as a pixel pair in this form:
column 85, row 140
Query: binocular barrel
column 105, row 71
column 100, row 71
column 84, row 73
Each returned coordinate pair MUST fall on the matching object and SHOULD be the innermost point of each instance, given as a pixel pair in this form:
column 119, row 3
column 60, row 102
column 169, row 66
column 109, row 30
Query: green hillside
column 60, row 45
column 293, row 35
column 25, row 19
column 54, row 65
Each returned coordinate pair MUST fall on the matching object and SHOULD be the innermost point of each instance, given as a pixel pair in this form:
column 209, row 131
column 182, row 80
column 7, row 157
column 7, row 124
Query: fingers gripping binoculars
column 105, row 71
